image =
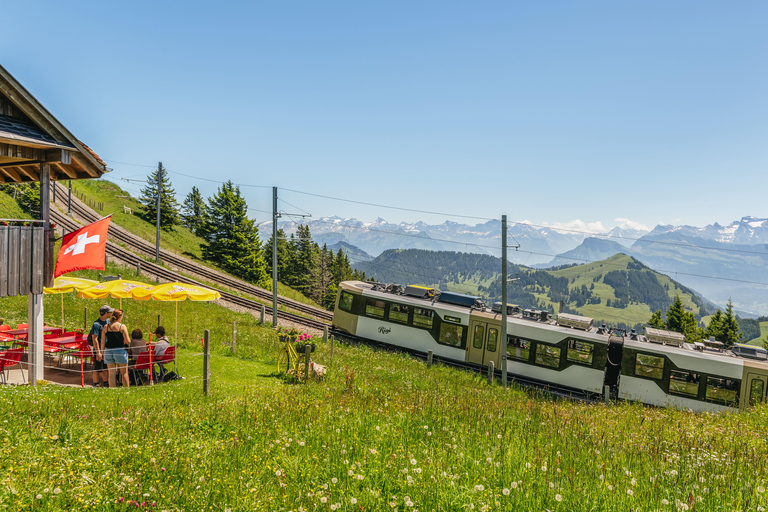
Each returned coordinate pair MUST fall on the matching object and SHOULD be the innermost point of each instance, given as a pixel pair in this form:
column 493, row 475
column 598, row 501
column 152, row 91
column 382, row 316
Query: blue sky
column 551, row 112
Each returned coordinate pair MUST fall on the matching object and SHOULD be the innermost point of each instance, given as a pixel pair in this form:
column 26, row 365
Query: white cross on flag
column 83, row 248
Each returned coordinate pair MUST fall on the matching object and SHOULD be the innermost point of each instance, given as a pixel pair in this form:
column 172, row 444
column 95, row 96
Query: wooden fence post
column 234, row 335
column 325, row 333
column 429, row 359
column 206, row 362
column 263, row 312
column 138, row 268
column 158, row 320
column 307, row 352
column 490, row 373
column 331, row 364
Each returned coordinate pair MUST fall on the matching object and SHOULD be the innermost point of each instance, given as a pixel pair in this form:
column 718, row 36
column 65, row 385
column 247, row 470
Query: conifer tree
column 169, row 208
column 656, row 321
column 193, row 212
column 682, row 321
column 306, row 256
column 232, row 238
column 284, row 258
column 730, row 327
column 715, row 327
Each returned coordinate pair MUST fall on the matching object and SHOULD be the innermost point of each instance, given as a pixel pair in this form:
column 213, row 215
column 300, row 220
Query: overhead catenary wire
column 569, row 230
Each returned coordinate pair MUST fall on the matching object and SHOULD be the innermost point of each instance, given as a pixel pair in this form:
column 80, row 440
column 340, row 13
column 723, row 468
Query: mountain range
column 720, row 262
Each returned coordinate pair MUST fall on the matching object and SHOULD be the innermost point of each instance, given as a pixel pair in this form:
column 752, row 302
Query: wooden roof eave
column 33, row 109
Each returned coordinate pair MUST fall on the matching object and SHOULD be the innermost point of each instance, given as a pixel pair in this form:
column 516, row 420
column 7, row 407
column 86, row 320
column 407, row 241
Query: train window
column 398, row 313
column 723, row 391
column 756, row 392
column 493, row 336
column 477, row 338
column 423, row 317
column 345, row 302
column 518, row 348
column 451, row 334
column 684, row 383
column 580, row 352
column 374, row 308
column 548, row 355
column 649, row 366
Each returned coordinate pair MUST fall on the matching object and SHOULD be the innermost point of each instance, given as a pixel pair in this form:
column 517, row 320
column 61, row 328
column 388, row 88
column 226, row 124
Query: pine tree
column 715, row 327
column 731, row 332
column 306, row 263
column 193, row 212
column 232, row 238
column 169, row 208
column 675, row 314
column 656, row 321
column 682, row 321
column 284, row 258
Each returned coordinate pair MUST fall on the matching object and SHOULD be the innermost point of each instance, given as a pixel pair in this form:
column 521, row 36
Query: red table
column 16, row 332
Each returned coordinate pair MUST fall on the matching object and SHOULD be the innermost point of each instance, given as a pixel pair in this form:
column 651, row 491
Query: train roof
column 670, row 343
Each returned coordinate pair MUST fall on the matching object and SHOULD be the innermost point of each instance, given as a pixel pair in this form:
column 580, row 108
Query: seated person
column 162, row 343
column 138, row 345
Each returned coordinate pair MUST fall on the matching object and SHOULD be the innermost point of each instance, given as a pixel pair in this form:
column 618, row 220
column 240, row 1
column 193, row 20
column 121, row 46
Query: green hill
column 619, row 290
column 9, row 208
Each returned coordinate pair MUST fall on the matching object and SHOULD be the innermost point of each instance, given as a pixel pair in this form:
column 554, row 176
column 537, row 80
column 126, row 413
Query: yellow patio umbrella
column 117, row 289
column 62, row 285
column 177, row 292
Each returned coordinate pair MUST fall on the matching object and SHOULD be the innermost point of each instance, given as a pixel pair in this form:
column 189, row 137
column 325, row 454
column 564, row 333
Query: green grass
column 763, row 334
column 9, row 208
column 179, row 240
column 382, row 431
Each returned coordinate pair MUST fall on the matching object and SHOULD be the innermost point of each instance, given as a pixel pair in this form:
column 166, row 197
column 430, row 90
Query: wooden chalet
column 34, row 147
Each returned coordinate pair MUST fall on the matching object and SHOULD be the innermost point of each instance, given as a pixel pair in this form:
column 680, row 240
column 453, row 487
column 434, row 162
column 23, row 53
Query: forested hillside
column 619, row 290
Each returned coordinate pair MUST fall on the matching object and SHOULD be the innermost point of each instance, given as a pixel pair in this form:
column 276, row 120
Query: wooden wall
column 22, row 254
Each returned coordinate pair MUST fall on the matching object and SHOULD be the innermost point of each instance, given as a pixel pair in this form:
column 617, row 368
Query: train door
column 756, row 386
column 484, row 344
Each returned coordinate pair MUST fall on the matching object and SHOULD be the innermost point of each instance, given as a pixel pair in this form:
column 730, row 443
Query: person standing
column 94, row 337
column 114, row 346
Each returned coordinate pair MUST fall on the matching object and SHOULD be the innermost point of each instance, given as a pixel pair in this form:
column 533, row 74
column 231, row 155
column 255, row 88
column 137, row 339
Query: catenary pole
column 504, row 300
column 274, row 257
column 159, row 190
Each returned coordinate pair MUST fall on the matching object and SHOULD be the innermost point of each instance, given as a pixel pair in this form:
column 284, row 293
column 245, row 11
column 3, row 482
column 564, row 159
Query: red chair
column 82, row 352
column 8, row 359
column 141, row 365
column 5, row 327
column 168, row 357
column 22, row 326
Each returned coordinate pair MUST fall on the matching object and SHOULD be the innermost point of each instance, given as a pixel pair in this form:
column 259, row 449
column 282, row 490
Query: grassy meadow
column 380, row 432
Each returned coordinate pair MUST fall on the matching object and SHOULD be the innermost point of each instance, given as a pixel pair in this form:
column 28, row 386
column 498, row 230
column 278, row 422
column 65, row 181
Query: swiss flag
column 83, row 248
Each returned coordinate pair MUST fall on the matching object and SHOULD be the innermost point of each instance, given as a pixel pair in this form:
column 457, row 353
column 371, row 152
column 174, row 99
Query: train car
column 659, row 368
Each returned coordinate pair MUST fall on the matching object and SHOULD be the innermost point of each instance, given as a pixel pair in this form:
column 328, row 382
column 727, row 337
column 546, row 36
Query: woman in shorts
column 114, row 345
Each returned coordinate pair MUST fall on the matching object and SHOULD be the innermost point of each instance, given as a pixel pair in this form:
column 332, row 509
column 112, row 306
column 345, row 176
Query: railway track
column 121, row 253
column 135, row 243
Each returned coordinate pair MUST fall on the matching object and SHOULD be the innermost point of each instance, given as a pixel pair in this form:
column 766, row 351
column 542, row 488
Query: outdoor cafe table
column 16, row 332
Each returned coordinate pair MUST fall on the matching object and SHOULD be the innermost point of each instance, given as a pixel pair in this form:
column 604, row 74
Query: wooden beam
column 21, row 152
column 92, row 172
column 58, row 155
column 65, row 169
column 29, row 171
column 11, row 174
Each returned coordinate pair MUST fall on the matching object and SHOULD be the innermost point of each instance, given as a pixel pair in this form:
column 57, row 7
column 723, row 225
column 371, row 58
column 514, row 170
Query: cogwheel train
column 659, row 368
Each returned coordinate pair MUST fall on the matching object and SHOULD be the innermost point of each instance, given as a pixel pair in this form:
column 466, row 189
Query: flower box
column 300, row 347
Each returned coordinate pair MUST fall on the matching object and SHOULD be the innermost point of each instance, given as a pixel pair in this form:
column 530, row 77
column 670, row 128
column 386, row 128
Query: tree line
column 723, row 327
column 232, row 241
